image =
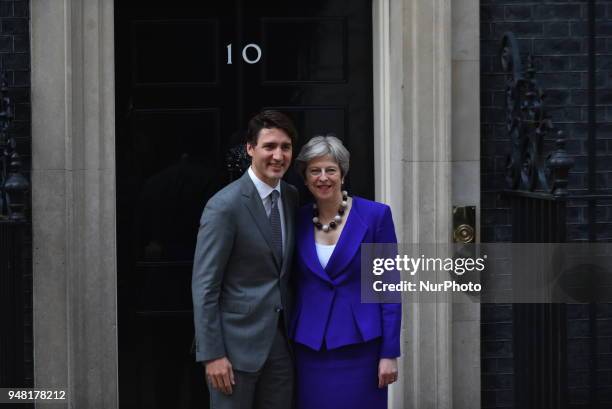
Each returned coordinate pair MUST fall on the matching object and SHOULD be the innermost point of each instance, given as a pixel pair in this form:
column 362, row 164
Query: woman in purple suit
column 345, row 351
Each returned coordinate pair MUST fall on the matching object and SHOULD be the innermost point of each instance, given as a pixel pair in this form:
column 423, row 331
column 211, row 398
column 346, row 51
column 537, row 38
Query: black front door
column 189, row 75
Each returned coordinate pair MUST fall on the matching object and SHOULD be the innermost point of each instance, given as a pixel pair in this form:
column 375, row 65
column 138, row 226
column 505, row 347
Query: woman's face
column 323, row 178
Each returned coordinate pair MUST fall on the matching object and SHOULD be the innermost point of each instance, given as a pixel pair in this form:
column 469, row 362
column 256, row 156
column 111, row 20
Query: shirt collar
column 262, row 187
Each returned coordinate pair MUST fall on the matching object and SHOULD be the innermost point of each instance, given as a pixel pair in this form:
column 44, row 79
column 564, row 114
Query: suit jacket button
column 278, row 309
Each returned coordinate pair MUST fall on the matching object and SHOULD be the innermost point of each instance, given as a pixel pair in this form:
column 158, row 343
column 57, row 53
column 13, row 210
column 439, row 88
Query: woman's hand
column 387, row 371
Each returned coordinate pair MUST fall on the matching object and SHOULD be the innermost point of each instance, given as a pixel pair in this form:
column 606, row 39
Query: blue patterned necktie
column 275, row 223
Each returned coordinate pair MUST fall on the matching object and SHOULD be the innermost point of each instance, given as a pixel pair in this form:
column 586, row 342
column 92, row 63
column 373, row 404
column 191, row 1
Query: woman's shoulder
column 369, row 206
column 378, row 216
column 304, row 215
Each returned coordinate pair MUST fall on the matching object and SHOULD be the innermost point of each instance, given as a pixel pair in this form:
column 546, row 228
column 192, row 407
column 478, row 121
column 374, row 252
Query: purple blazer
column 328, row 304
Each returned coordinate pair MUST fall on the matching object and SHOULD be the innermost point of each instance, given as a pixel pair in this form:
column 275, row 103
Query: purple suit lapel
column 307, row 244
column 348, row 244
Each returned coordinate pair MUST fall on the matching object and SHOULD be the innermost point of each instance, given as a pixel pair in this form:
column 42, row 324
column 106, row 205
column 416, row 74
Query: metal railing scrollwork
column 237, row 161
column 14, row 186
column 14, row 250
column 528, row 167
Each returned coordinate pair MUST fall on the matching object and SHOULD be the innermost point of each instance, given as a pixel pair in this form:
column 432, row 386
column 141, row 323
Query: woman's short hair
column 322, row 145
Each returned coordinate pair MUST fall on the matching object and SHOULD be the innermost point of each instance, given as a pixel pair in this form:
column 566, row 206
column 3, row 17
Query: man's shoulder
column 228, row 194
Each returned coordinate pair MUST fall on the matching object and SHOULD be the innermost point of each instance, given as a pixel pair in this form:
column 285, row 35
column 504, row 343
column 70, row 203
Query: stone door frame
column 74, row 190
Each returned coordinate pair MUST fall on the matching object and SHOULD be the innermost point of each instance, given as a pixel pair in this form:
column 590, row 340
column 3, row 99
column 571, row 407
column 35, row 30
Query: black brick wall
column 555, row 33
column 15, row 63
column 496, row 355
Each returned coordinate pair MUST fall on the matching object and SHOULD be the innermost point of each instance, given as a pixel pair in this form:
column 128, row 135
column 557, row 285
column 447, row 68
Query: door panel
column 180, row 108
column 317, row 54
column 160, row 44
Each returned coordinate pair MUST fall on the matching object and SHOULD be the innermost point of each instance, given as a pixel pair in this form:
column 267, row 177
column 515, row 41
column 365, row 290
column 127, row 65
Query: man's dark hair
column 270, row 119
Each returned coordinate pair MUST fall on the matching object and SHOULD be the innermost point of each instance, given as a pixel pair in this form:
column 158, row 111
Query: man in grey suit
column 240, row 278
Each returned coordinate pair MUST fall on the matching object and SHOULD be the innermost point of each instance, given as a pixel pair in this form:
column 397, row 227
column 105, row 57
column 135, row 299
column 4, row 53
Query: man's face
column 271, row 156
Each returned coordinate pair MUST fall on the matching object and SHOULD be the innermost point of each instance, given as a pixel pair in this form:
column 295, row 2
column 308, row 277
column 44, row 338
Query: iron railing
column 14, row 189
column 537, row 192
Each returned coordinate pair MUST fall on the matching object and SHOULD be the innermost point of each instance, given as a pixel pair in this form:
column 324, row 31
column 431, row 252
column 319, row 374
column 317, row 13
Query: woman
column 345, row 351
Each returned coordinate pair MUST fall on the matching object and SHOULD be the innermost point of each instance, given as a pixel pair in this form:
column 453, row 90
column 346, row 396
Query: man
column 241, row 273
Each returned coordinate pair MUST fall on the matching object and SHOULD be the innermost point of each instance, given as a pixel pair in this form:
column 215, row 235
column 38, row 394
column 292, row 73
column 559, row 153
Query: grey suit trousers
column 269, row 388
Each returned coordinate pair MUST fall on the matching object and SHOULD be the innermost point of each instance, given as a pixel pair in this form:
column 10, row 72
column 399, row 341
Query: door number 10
column 245, row 57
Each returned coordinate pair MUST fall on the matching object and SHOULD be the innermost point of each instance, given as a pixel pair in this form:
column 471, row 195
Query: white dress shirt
column 264, row 191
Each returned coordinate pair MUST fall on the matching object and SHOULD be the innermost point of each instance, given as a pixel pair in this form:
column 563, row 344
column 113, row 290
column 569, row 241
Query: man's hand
column 387, row 371
column 220, row 375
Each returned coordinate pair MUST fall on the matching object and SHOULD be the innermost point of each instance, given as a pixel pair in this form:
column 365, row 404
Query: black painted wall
column 556, row 34
column 15, row 62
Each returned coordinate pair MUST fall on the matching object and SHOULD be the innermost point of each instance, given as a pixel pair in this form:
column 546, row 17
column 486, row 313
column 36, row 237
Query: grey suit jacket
column 239, row 286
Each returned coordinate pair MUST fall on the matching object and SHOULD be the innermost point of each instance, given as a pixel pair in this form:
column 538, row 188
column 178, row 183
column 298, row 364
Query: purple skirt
column 342, row 378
